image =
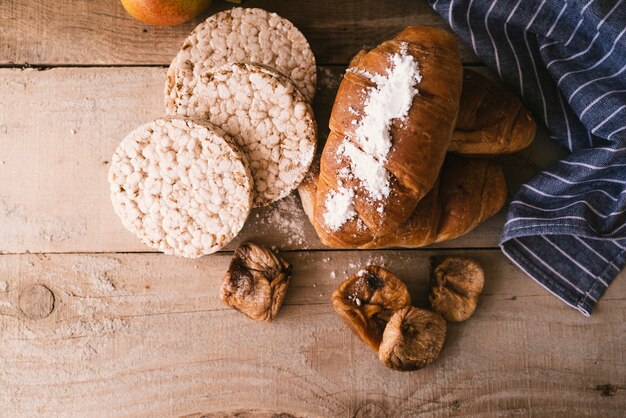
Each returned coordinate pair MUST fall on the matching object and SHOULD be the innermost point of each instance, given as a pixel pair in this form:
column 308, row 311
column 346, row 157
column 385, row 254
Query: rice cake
column 182, row 186
column 241, row 35
column 267, row 116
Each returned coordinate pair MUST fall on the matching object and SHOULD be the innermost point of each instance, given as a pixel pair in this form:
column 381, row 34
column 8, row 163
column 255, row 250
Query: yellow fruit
column 165, row 12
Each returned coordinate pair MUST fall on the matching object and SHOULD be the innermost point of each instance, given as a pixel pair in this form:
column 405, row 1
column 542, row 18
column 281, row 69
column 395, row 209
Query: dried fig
column 368, row 299
column 412, row 339
column 456, row 283
column 256, row 282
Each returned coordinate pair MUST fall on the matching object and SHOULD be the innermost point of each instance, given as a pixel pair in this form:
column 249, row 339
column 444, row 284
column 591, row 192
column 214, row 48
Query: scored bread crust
column 182, row 186
column 267, row 116
column 241, row 35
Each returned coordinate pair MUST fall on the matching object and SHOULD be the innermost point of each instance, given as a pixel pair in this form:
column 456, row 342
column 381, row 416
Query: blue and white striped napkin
column 566, row 228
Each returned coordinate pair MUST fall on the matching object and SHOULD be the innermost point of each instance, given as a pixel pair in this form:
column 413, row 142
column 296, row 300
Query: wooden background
column 94, row 324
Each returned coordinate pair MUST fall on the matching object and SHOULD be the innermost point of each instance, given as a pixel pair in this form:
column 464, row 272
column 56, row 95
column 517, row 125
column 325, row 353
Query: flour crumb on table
column 286, row 217
column 96, row 269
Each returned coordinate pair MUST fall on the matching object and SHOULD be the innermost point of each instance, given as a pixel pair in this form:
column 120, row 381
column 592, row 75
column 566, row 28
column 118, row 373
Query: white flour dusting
column 390, row 100
column 339, row 208
column 287, row 217
column 368, row 169
column 96, row 269
column 375, row 260
column 17, row 226
column 327, row 79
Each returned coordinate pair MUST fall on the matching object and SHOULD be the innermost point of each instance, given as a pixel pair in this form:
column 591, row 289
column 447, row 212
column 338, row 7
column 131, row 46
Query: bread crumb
column 73, row 131
column 4, row 286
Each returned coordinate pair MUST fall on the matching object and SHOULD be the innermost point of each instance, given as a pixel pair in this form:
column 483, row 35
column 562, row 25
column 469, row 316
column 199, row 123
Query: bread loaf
column 467, row 192
column 391, row 125
column 491, row 119
column 425, row 203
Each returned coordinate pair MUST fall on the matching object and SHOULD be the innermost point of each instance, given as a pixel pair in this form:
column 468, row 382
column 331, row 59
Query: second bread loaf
column 468, row 192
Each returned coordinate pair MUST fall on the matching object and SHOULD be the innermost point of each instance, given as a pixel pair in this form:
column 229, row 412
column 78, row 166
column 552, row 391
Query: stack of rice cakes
column 241, row 134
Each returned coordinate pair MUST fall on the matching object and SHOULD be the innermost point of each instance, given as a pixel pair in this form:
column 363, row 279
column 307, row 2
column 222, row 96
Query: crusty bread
column 467, row 192
column 420, row 139
column 471, row 190
column 491, row 119
column 427, row 203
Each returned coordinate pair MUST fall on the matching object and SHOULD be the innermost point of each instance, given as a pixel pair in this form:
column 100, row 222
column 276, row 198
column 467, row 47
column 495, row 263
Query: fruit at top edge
column 165, row 12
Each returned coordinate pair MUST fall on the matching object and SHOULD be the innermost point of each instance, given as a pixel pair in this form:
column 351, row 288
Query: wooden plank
column 146, row 335
column 61, row 126
column 102, row 33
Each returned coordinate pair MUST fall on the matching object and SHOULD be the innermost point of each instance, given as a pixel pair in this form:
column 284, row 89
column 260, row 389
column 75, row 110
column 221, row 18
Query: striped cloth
column 566, row 228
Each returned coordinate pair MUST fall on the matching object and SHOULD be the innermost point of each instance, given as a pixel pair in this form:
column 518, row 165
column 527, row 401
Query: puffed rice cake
column 241, row 35
column 267, row 116
column 182, row 186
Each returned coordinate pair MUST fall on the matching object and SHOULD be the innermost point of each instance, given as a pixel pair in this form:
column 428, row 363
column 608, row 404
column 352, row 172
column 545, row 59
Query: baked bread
column 391, row 125
column 491, row 119
column 468, row 192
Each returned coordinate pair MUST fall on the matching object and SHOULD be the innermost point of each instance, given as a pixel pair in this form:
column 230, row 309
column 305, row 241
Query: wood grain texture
column 58, row 133
column 101, row 33
column 121, row 334
column 146, row 335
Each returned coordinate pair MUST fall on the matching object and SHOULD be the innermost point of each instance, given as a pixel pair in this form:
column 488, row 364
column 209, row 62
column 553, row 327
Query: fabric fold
column 566, row 227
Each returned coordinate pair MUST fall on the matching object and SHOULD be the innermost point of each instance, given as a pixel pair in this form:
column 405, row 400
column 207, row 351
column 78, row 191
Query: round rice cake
column 241, row 35
column 182, row 186
column 267, row 116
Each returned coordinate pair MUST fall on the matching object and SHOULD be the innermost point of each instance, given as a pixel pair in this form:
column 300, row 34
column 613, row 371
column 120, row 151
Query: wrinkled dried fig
column 256, row 282
column 456, row 283
column 368, row 299
column 412, row 339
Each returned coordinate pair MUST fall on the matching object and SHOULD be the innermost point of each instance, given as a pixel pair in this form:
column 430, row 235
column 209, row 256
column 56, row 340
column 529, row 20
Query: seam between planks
column 303, row 250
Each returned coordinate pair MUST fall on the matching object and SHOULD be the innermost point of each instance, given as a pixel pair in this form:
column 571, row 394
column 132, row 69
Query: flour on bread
column 367, row 152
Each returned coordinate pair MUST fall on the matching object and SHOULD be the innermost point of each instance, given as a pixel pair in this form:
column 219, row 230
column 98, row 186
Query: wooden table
column 92, row 323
